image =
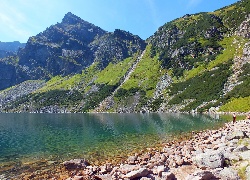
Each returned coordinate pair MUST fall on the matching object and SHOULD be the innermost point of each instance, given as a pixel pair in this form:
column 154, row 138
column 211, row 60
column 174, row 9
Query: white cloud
column 11, row 21
column 20, row 19
column 193, row 3
column 10, row 26
column 153, row 12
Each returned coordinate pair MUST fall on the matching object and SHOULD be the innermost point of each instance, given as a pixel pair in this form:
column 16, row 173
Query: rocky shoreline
column 210, row 154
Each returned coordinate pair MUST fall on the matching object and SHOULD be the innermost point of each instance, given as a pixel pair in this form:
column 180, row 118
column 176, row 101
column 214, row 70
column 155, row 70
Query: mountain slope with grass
column 196, row 63
column 67, row 48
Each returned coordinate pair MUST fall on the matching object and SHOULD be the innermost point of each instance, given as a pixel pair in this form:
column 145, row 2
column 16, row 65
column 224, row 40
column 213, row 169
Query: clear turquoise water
column 97, row 137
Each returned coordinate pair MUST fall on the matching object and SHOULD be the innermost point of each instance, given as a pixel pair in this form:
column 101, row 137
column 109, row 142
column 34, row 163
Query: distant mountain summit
column 69, row 47
column 11, row 46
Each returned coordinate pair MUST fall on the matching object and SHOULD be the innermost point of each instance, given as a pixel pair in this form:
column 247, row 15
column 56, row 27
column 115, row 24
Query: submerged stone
column 76, row 164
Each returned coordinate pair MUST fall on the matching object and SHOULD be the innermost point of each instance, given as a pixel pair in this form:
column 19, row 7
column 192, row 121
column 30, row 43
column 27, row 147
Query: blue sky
column 20, row 19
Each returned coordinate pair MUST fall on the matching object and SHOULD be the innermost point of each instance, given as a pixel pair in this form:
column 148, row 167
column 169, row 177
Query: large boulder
column 211, row 159
column 229, row 174
column 142, row 172
column 237, row 135
column 201, row 175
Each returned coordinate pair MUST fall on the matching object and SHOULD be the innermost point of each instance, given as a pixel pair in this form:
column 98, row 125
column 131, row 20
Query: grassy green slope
column 237, row 105
column 113, row 73
column 146, row 74
column 238, row 98
column 70, row 82
column 200, row 60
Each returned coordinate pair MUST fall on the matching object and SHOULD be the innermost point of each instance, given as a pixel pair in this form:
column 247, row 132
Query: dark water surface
column 97, row 137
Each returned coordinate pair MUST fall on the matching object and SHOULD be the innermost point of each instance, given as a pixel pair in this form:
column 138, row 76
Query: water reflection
column 73, row 135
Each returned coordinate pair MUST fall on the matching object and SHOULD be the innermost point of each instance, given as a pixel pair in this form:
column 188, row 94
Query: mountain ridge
column 69, row 47
column 196, row 63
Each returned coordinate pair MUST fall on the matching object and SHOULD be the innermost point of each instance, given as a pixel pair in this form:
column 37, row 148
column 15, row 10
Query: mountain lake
column 97, row 137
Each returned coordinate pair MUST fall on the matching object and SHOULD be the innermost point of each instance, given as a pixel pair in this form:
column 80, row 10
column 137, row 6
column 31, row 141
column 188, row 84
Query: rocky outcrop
column 7, row 75
column 17, row 91
column 177, row 41
column 116, row 46
column 165, row 81
column 238, row 63
column 244, row 28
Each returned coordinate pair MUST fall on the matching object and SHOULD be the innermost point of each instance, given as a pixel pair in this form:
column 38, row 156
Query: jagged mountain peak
column 70, row 18
column 67, row 48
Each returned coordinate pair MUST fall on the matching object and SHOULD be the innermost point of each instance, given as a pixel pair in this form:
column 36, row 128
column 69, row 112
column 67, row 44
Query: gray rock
column 211, row 159
column 145, row 178
column 245, row 155
column 75, row 178
column 127, row 168
column 248, row 173
column 106, row 168
column 168, row 176
column 229, row 174
column 236, row 135
column 178, row 160
column 160, row 170
column 241, row 148
column 142, row 172
column 76, row 164
column 132, row 159
column 2, row 177
column 244, row 29
column 231, row 156
column 201, row 175
column 104, row 177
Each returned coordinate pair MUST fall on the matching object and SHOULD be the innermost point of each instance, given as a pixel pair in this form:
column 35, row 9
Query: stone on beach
column 201, row 175
column 75, row 164
column 211, row 159
column 248, row 173
column 168, row 176
column 229, row 174
column 237, row 135
column 142, row 172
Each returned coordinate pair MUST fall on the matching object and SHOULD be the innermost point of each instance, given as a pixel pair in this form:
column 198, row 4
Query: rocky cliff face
column 4, row 54
column 70, row 46
column 116, row 46
column 61, row 49
column 187, row 41
column 7, row 75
